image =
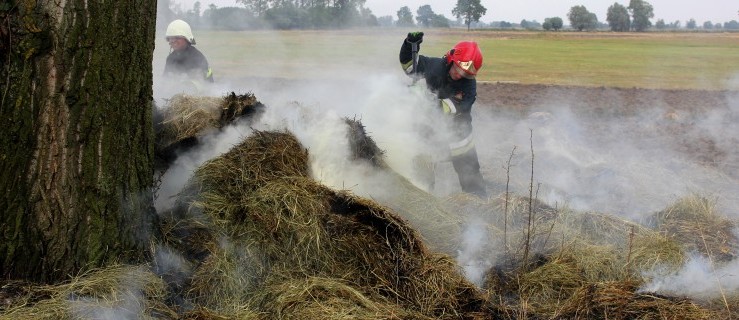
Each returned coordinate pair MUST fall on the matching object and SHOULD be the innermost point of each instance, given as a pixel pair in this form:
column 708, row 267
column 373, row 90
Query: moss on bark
column 76, row 135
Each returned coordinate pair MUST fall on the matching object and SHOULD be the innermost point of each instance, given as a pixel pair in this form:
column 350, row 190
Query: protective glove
column 414, row 37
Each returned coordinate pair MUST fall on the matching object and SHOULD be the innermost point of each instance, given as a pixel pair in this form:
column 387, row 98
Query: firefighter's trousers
column 464, row 156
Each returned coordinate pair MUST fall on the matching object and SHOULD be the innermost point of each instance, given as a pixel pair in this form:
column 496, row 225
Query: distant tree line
column 634, row 17
column 325, row 14
column 314, row 14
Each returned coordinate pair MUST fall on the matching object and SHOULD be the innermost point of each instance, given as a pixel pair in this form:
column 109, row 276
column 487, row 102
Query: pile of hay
column 260, row 239
column 289, row 239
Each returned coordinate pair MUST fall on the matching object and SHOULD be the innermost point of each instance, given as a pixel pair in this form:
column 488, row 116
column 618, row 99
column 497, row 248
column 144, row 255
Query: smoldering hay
column 582, row 265
column 274, row 224
column 287, row 231
column 253, row 236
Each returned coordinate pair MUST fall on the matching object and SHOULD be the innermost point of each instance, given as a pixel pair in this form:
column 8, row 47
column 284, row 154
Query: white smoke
column 700, row 278
column 209, row 146
column 475, row 255
column 390, row 111
column 618, row 165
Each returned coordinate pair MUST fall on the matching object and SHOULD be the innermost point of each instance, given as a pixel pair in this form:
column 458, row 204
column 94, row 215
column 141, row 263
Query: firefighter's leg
column 468, row 171
column 464, row 157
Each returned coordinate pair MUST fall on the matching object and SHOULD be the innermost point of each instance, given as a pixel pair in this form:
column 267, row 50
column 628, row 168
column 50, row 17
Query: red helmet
column 467, row 56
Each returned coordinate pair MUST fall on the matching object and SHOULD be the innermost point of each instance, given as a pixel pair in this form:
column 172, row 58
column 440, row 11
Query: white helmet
column 179, row 28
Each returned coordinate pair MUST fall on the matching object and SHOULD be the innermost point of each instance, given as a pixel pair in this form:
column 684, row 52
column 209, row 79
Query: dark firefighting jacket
column 189, row 62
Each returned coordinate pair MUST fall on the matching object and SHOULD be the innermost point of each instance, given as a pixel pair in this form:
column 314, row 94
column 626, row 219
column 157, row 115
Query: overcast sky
column 517, row 10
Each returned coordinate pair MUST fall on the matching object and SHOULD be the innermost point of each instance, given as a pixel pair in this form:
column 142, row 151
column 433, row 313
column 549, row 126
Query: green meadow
column 646, row 60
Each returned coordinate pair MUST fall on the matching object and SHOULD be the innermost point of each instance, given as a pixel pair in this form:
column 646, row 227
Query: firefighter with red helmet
column 452, row 79
column 185, row 61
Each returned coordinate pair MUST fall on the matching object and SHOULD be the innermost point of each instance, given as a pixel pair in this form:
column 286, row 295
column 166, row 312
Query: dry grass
column 694, row 222
column 117, row 291
column 589, row 267
column 620, row 300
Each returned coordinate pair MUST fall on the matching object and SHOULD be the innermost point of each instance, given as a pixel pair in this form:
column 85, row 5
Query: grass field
column 647, row 60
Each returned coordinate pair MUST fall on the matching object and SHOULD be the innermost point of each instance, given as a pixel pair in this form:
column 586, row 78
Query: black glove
column 414, row 37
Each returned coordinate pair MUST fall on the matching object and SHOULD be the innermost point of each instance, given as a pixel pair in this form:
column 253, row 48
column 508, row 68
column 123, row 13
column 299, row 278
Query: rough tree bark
column 75, row 135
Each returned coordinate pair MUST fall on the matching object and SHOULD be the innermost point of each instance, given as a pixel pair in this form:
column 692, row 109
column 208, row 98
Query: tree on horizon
column 469, row 10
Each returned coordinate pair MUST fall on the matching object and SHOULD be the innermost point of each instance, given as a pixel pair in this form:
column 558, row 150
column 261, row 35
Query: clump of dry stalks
column 185, row 118
column 694, row 222
column 262, row 240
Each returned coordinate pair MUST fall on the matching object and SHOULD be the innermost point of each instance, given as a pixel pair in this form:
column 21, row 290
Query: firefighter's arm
column 406, row 50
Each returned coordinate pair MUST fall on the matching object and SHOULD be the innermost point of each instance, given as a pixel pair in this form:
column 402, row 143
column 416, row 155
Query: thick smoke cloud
column 619, row 166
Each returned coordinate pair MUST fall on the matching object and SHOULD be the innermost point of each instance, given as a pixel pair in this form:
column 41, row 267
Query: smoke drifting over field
column 699, row 278
column 620, row 166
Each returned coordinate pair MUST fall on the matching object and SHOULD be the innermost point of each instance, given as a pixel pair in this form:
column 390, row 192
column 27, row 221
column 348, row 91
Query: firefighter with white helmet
column 452, row 79
column 184, row 60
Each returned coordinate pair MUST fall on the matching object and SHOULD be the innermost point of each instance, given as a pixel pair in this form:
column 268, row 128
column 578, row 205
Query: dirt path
column 601, row 99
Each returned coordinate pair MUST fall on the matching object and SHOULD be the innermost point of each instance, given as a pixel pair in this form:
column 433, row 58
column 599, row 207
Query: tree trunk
column 75, row 135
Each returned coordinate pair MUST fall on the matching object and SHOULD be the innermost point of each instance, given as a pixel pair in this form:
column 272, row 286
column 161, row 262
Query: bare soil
column 600, row 99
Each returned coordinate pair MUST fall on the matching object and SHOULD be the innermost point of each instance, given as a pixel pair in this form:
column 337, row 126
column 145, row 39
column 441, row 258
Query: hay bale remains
column 118, row 291
column 185, row 118
column 296, row 234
